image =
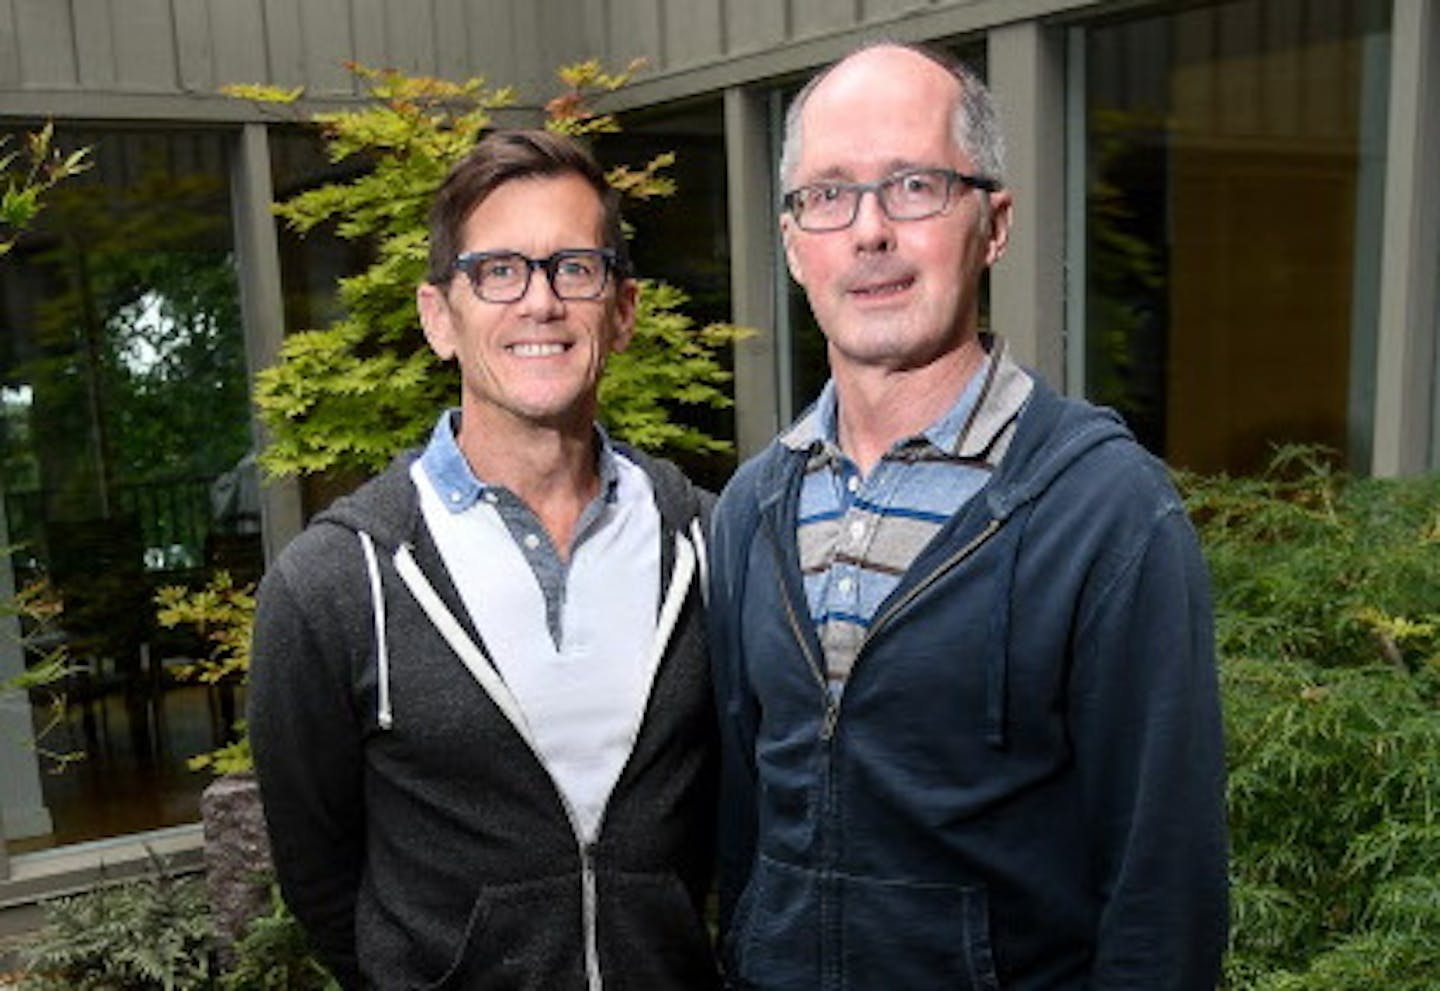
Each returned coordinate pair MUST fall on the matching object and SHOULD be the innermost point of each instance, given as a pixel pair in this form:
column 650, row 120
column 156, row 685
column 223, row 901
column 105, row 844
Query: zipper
column 944, row 566
column 590, row 915
column 831, row 711
column 829, row 704
column 680, row 580
column 485, row 673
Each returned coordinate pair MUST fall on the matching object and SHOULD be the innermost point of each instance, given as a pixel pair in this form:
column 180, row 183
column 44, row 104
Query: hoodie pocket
column 915, row 935
column 520, row 937
column 775, row 939
column 653, row 937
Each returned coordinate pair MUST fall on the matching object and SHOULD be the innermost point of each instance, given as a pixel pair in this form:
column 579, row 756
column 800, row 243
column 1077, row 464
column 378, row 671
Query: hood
column 386, row 507
column 385, row 516
column 1052, row 435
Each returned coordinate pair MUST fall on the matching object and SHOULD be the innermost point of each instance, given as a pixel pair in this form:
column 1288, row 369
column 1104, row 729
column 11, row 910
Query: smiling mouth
column 881, row 290
column 537, row 350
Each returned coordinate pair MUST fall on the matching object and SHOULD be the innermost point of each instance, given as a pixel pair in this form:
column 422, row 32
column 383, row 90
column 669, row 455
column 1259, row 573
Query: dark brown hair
column 498, row 158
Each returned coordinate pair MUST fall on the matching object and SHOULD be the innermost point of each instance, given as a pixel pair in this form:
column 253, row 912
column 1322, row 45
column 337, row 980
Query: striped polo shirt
column 858, row 535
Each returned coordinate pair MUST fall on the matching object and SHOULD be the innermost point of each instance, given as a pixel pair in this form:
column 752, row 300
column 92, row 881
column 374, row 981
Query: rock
column 237, row 855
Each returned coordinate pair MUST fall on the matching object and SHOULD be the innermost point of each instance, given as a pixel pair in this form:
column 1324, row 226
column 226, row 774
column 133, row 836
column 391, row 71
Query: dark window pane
column 124, row 456
column 1235, row 158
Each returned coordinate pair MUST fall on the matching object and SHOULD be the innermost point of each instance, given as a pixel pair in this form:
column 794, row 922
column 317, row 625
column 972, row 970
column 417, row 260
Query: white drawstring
column 697, row 534
column 468, row 650
column 382, row 662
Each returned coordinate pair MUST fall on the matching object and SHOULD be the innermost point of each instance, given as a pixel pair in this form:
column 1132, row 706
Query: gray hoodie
column 417, row 835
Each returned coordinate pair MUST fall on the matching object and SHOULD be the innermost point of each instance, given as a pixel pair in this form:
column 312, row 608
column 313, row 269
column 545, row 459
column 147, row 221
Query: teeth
column 536, row 350
column 884, row 288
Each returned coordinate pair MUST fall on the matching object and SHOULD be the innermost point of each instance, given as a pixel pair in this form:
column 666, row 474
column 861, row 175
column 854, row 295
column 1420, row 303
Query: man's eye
column 817, row 197
column 576, row 268
column 498, row 268
column 918, row 184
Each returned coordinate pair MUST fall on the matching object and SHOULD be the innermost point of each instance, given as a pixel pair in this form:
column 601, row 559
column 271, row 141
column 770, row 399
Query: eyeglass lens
column 907, row 196
column 504, row 276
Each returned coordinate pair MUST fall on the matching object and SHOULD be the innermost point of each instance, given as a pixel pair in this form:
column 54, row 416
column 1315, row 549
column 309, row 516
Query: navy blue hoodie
column 1022, row 785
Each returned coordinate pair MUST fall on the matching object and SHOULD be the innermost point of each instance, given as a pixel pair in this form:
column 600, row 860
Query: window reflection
column 684, row 239
column 125, row 457
column 1234, row 158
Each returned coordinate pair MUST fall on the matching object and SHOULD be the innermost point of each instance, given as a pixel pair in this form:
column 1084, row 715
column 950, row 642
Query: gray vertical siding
column 635, row 31
column 94, row 53
column 754, row 25
column 695, row 31
column 193, row 47
column 45, row 43
column 187, row 48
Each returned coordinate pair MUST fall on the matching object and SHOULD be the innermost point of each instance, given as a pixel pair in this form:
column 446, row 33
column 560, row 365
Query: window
column 125, row 460
column 1234, row 176
column 683, row 239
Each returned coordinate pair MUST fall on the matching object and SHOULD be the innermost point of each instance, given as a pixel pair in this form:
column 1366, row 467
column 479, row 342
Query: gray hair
column 975, row 126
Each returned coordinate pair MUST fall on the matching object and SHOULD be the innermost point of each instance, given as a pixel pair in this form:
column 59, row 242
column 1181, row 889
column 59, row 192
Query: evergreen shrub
column 1327, row 594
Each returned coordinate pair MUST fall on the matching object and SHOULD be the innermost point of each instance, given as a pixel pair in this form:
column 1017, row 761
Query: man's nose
column 873, row 230
column 540, row 301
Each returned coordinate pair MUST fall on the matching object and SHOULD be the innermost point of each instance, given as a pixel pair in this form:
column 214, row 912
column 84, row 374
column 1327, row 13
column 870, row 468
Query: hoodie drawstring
column 382, row 662
column 702, row 559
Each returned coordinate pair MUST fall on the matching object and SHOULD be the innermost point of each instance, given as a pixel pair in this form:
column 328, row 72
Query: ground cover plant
column 1328, row 623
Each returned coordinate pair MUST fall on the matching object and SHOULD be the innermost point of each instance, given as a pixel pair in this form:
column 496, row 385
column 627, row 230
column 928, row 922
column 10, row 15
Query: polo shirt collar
column 445, row 466
column 991, row 399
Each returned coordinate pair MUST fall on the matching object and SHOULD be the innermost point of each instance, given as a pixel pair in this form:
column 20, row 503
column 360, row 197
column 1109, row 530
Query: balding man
column 961, row 628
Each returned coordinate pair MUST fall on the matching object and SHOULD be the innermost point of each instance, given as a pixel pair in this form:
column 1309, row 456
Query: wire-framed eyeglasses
column 504, row 276
column 914, row 194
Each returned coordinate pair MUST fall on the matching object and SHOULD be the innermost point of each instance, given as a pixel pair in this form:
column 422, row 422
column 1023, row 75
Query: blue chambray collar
column 445, row 465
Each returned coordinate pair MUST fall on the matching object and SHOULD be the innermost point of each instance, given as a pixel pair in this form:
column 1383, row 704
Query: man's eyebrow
column 895, row 166
column 832, row 174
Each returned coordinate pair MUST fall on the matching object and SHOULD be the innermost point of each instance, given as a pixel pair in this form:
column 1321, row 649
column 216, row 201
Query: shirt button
column 857, row 530
column 532, row 541
column 853, row 483
column 491, row 497
column 846, row 585
column 455, row 497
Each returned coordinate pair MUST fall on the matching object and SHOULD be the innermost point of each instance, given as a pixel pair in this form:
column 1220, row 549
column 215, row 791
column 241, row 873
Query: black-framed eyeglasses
column 914, row 194
column 504, row 276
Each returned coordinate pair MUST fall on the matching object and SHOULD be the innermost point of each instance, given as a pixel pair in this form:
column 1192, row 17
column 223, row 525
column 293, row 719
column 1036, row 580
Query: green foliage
column 1312, row 564
column 26, row 175
column 38, row 606
column 139, row 330
column 670, row 362
column 222, row 615
column 349, row 396
column 1327, row 595
column 274, row 955
column 150, row 934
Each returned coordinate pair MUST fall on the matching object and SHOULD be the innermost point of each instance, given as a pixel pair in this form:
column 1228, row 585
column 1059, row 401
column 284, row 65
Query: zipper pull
column 832, row 715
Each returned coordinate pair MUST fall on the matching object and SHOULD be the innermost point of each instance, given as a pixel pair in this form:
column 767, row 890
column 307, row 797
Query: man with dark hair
column 479, row 700
column 961, row 626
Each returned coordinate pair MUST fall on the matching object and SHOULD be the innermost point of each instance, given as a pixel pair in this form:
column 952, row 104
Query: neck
column 877, row 406
column 552, row 469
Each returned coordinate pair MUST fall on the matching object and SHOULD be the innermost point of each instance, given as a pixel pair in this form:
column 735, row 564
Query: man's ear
column 627, row 295
column 436, row 320
column 787, row 238
column 1001, row 213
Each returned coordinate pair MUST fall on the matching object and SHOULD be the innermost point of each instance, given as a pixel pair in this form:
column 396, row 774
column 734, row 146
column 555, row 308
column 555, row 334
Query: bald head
column 908, row 78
